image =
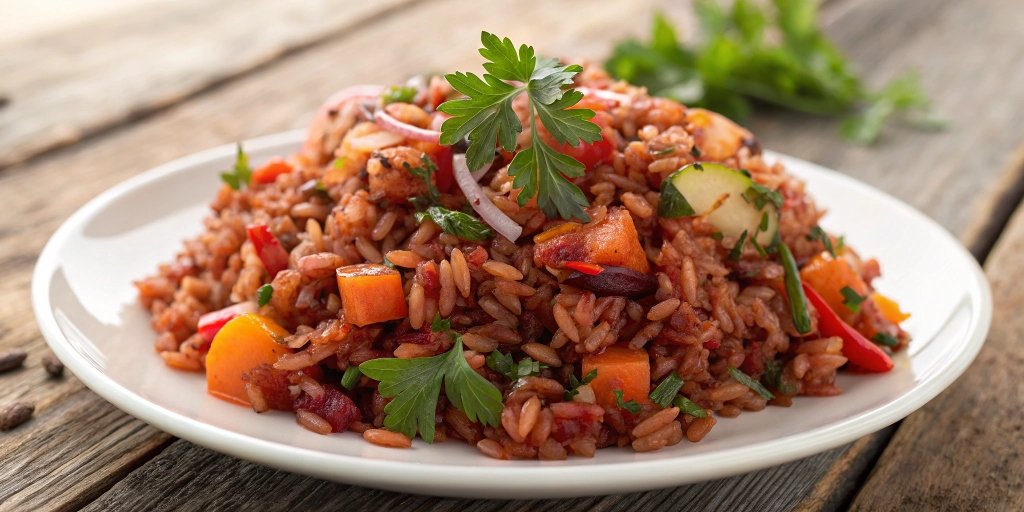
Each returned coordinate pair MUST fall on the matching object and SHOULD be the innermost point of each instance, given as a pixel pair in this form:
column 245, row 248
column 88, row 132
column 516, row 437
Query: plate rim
column 508, row 481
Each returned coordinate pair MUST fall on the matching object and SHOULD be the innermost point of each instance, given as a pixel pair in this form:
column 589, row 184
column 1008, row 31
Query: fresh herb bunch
column 415, row 384
column 777, row 56
column 485, row 116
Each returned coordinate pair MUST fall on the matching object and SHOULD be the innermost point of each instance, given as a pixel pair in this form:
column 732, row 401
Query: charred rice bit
column 346, row 202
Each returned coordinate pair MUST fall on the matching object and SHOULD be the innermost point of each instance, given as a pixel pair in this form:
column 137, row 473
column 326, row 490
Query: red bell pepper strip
column 268, row 248
column 590, row 269
column 210, row 323
column 270, row 171
column 859, row 350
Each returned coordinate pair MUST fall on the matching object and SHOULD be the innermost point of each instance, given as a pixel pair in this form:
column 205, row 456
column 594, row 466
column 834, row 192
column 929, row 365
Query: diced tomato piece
column 590, row 154
column 268, row 248
column 270, row 171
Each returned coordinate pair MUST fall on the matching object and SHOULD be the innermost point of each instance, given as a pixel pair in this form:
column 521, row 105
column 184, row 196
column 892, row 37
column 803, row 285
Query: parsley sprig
column 486, row 117
column 415, row 384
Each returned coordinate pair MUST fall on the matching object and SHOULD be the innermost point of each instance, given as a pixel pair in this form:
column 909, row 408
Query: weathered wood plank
column 36, row 205
column 75, row 80
column 962, row 451
column 188, row 476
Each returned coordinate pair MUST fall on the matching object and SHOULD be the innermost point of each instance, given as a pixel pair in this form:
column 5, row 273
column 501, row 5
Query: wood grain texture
column 283, row 94
column 962, row 451
column 189, row 477
column 74, row 81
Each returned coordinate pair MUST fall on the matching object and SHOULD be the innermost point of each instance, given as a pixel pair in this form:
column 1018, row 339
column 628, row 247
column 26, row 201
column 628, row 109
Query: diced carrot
column 619, row 367
column 270, row 171
column 244, row 343
column 612, row 241
column 828, row 276
column 371, row 293
column 890, row 309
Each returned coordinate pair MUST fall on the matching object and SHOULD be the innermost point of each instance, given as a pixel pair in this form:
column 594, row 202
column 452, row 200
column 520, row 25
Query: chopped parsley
column 762, row 195
column 794, row 290
column 687, row 406
column 695, row 151
column 662, row 152
column 885, row 339
column 749, row 382
column 819, row 234
column 667, row 390
column 415, row 384
column 629, row 405
column 852, row 299
column 398, row 94
column 485, row 115
column 513, row 371
column 241, row 174
column 439, row 324
column 425, row 171
column 774, row 378
column 575, row 383
column 460, row 224
column 737, row 250
column 263, row 294
column 351, row 377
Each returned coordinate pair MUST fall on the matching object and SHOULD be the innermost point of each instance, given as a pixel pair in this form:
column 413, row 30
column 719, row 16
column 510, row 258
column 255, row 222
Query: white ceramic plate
column 87, row 310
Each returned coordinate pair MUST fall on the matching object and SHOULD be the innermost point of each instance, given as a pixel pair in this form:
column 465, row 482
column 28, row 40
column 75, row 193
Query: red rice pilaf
column 344, row 201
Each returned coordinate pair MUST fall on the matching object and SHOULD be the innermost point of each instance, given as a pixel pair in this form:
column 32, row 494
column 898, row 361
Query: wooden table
column 95, row 96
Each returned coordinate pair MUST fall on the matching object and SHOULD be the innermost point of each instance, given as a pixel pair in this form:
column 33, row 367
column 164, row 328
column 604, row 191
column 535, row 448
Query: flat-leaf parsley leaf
column 415, row 384
column 486, row 117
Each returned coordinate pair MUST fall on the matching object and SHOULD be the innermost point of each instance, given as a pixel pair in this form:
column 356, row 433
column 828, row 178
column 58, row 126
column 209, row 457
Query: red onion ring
column 388, row 122
column 338, row 99
column 490, row 213
column 605, row 94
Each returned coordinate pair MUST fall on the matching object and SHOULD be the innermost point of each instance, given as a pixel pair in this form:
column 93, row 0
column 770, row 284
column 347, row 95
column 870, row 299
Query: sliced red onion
column 479, row 173
column 605, row 94
column 437, row 120
column 490, row 214
column 388, row 122
column 338, row 99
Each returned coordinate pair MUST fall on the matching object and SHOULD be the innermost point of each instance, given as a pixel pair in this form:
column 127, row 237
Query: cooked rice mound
column 345, row 202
